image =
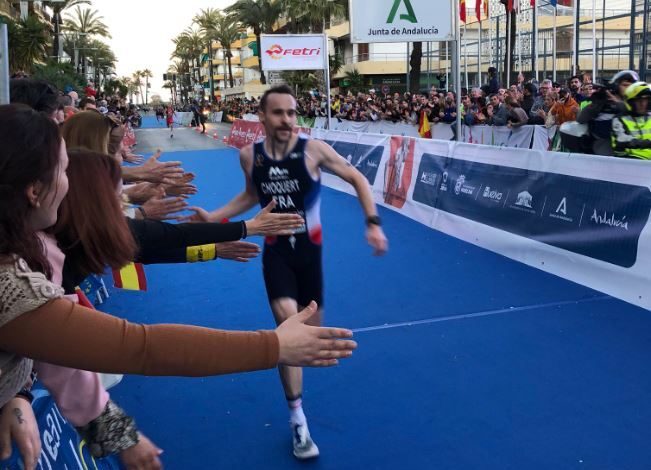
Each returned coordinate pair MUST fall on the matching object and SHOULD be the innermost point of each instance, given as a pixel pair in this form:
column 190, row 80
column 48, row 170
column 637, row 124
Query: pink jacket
column 79, row 394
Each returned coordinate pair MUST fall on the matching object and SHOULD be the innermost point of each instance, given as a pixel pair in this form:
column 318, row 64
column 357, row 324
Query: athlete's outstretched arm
column 240, row 203
column 330, row 159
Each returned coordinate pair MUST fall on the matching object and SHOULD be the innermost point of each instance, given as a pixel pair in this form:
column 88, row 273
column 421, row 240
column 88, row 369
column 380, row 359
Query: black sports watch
column 373, row 220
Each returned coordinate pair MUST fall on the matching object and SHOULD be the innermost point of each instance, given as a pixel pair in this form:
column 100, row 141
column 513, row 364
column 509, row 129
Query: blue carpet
column 508, row 367
column 150, row 122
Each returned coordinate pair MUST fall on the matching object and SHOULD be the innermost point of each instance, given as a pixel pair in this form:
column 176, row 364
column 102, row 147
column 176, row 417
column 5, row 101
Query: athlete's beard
column 282, row 145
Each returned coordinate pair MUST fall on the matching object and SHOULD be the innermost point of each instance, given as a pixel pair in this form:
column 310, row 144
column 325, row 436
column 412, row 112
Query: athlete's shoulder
column 246, row 152
column 316, row 146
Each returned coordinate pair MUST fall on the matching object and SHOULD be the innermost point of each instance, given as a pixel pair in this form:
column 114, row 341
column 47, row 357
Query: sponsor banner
column 293, row 51
column 401, row 20
column 183, row 118
column 599, row 219
column 61, row 446
column 364, row 152
column 246, row 132
column 582, row 217
column 499, row 136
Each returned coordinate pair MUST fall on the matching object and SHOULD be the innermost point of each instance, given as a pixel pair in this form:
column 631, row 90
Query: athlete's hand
column 18, row 424
column 142, row 456
column 267, row 223
column 312, row 346
column 237, row 251
column 376, row 238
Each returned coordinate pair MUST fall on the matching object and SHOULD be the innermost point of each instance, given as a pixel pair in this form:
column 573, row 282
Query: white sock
column 296, row 415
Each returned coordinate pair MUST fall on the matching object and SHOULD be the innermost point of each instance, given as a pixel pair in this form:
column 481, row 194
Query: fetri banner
column 293, row 51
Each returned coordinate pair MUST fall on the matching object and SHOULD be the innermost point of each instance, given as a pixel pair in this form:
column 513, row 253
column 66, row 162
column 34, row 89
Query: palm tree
column 85, row 24
column 192, row 43
column 227, row 32
column 206, row 20
column 259, row 15
column 103, row 60
column 355, row 81
column 59, row 7
column 181, row 66
column 314, row 13
column 170, row 85
column 29, row 39
column 136, row 82
column 147, row 75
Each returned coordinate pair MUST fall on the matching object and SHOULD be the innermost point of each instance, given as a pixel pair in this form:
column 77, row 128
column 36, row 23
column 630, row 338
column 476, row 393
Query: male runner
column 286, row 168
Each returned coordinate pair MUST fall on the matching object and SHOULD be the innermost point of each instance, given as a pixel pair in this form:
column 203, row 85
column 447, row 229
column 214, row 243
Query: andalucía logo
column 409, row 16
column 276, row 52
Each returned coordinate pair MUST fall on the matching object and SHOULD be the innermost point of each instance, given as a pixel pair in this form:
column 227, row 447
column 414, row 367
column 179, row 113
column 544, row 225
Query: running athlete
column 286, row 168
column 169, row 115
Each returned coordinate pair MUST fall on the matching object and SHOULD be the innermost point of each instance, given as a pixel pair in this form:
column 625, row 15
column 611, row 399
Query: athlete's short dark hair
column 280, row 90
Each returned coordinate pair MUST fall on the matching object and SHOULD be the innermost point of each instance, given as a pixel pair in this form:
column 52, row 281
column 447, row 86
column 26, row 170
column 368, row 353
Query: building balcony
column 339, row 31
column 251, row 62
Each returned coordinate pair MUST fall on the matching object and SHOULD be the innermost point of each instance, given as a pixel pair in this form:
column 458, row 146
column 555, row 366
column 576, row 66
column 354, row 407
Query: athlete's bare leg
column 291, row 377
column 292, row 381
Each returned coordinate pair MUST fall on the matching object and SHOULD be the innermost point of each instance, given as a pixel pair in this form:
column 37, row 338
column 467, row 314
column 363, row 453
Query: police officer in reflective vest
column 631, row 135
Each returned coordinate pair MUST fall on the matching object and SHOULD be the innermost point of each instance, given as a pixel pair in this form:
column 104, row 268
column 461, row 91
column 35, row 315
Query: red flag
column 478, row 9
column 509, row 5
column 462, row 10
column 533, row 3
column 486, row 8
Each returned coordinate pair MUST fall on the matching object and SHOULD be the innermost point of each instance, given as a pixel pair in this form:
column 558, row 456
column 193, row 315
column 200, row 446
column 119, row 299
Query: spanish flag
column 424, row 129
column 130, row 277
column 462, row 10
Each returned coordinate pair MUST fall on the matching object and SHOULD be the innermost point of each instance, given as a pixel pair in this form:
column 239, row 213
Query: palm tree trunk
column 212, row 83
column 230, row 69
column 263, row 79
column 57, row 34
column 415, row 63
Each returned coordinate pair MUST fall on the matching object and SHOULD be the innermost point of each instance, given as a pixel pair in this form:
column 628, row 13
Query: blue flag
column 553, row 3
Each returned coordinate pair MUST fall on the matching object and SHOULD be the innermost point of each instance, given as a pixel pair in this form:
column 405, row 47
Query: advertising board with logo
column 293, row 51
column 61, row 446
column 599, row 219
column 401, row 20
column 398, row 170
column 366, row 158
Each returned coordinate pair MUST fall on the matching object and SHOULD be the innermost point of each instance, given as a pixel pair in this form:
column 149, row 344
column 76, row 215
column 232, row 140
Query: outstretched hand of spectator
column 304, row 345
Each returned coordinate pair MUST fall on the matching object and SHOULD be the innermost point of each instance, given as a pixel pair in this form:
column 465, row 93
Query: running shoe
column 304, row 446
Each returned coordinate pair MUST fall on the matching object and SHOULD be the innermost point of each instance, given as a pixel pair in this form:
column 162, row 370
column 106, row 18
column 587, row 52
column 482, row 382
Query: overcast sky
column 142, row 32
